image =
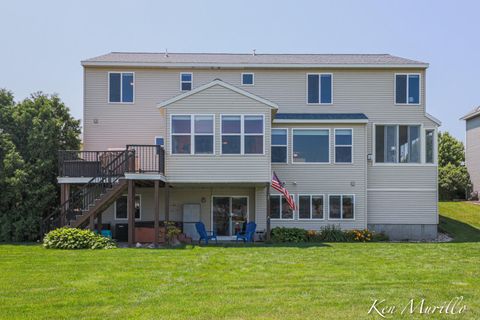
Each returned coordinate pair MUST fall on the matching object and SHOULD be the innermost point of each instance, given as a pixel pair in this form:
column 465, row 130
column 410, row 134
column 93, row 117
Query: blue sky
column 44, row 41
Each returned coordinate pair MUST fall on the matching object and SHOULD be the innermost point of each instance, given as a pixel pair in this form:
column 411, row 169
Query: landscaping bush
column 333, row 233
column 360, row 235
column 281, row 234
column 72, row 238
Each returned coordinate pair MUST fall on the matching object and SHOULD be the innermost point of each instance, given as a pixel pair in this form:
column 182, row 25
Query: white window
column 429, row 146
column 397, row 144
column 310, row 207
column 279, row 145
column 341, row 207
column 186, row 81
column 343, row 145
column 311, row 146
column 319, row 88
column 242, row 134
column 192, row 134
column 121, row 208
column 279, row 208
column 121, row 87
column 407, row 88
column 248, row 79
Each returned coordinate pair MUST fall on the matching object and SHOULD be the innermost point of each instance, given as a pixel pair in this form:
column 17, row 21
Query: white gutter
column 320, row 121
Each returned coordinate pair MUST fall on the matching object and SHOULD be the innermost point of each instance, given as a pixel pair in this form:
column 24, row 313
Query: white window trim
column 231, row 197
column 311, row 206
column 125, row 219
column 192, row 135
column 242, row 134
column 247, row 84
column 319, row 89
column 400, row 164
column 191, row 81
column 121, row 88
column 341, row 145
column 278, row 145
column 341, row 207
column 310, row 163
column 281, row 196
column 419, row 89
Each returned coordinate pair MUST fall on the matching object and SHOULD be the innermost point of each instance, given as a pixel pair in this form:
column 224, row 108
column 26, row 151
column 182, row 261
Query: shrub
column 379, row 237
column 332, row 233
column 360, row 235
column 72, row 238
column 281, row 234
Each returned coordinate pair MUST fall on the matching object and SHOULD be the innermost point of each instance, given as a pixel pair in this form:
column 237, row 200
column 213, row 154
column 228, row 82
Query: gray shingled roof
column 162, row 59
column 472, row 114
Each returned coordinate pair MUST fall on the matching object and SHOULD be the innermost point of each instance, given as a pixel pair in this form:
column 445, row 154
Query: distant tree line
column 31, row 133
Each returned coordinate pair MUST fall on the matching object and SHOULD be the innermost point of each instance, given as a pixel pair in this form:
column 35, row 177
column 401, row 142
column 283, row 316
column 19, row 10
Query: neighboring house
column 197, row 137
column 472, row 147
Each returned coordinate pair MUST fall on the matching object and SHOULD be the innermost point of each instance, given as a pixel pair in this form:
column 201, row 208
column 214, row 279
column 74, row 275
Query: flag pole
column 268, row 213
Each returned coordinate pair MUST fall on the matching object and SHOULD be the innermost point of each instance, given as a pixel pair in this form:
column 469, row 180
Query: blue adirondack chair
column 204, row 234
column 249, row 234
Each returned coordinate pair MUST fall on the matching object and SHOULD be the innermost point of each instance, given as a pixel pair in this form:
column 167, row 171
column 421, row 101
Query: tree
column 33, row 132
column 450, row 150
column 453, row 178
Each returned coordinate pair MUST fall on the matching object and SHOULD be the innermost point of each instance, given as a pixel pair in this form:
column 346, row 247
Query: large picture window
column 121, row 207
column 311, row 145
column 242, row 134
column 397, row 144
column 279, row 146
column 121, row 87
column 319, row 88
column 343, row 145
column 407, row 88
column 310, row 206
column 341, row 207
column 279, row 208
column 193, row 134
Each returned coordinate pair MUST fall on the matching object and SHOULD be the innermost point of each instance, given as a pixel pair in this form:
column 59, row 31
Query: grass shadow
column 304, row 245
column 459, row 231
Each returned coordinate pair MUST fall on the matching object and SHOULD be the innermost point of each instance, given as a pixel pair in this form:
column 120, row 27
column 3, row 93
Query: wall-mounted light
column 95, row 121
column 369, row 157
column 204, row 200
column 352, row 183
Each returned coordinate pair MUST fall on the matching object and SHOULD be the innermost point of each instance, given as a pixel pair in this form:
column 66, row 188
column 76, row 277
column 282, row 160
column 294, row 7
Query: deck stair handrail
column 82, row 199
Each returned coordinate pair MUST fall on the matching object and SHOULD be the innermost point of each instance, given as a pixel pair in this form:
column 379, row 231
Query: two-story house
column 472, row 147
column 185, row 137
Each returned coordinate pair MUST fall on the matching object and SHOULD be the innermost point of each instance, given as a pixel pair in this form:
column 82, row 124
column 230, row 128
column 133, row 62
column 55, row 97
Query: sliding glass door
column 229, row 215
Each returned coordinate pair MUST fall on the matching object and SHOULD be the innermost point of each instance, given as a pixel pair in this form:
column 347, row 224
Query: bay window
column 192, row 134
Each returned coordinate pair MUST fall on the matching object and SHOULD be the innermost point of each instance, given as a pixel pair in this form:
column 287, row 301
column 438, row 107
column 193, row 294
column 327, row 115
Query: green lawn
column 461, row 220
column 330, row 281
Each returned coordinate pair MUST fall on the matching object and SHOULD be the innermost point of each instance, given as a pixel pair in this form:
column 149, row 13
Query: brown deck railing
column 73, row 163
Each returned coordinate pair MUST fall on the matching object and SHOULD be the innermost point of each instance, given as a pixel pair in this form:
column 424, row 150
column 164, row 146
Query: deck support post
column 167, row 202
column 91, row 223
column 131, row 212
column 64, row 197
column 99, row 223
column 156, row 212
column 267, row 236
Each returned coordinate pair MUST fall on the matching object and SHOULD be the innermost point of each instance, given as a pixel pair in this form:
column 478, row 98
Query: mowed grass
column 329, row 281
column 461, row 220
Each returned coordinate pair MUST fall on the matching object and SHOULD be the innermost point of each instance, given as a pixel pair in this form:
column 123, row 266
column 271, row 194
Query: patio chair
column 204, row 234
column 249, row 234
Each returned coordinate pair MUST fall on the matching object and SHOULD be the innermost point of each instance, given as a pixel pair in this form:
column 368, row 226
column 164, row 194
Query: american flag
column 278, row 185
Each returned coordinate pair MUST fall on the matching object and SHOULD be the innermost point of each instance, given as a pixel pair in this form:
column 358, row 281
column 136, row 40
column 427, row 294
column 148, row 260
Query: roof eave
column 364, row 121
column 88, row 63
column 471, row 115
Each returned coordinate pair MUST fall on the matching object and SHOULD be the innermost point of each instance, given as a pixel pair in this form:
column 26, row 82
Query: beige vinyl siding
column 261, row 207
column 325, row 179
column 402, row 207
column 219, row 100
column 366, row 91
column 472, row 154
